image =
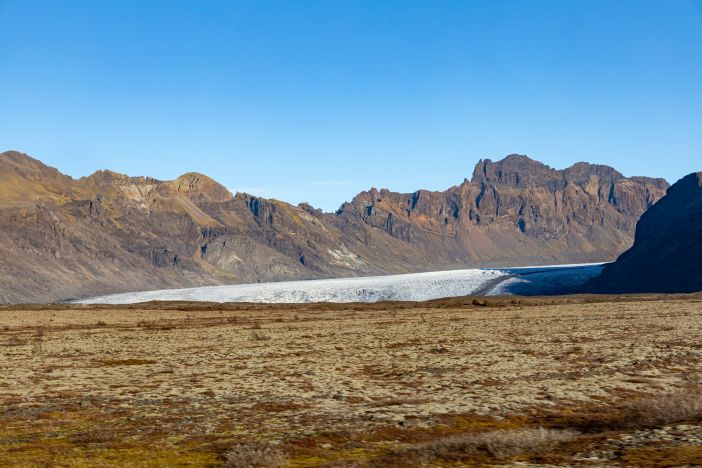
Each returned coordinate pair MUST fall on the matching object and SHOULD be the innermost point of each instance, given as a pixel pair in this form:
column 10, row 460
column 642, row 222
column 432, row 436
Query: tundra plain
column 571, row 380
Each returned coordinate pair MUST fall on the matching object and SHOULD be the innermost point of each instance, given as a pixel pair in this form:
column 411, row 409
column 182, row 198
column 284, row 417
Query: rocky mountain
column 667, row 249
column 514, row 211
column 65, row 238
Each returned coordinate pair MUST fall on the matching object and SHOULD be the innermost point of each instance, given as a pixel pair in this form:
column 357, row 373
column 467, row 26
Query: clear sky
column 317, row 100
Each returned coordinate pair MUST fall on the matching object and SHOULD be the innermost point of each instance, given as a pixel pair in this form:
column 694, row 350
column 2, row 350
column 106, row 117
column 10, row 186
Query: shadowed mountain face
column 63, row 238
column 667, row 249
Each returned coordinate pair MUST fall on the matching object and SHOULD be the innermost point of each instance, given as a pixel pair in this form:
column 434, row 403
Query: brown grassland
column 580, row 380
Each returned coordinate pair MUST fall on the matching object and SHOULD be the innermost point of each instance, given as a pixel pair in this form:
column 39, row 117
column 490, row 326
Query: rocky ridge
column 516, row 209
column 66, row 238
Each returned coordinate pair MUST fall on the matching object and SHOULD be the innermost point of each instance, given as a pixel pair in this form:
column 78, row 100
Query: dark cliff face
column 64, row 238
column 513, row 207
column 667, row 250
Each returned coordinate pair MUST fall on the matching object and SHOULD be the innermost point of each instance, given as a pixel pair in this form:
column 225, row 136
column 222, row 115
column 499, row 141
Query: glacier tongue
column 406, row 287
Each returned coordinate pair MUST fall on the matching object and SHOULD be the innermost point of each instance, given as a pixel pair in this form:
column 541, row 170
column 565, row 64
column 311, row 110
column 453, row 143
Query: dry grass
column 503, row 444
column 261, row 455
column 450, row 381
column 630, row 413
column 15, row 340
column 259, row 336
column 126, row 362
column 655, row 455
column 677, row 406
column 93, row 436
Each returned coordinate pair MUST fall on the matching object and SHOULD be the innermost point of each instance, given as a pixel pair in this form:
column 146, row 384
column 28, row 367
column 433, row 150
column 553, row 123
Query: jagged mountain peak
column 192, row 185
column 17, row 158
column 518, row 158
column 581, row 172
column 28, row 167
column 522, row 171
column 200, row 186
column 515, row 170
column 106, row 177
column 12, row 155
column 509, row 161
column 24, row 179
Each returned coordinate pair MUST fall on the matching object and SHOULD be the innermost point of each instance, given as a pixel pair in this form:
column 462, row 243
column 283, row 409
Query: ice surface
column 541, row 281
column 407, row 287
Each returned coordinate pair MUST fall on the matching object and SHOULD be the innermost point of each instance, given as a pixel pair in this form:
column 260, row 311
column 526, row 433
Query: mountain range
column 65, row 238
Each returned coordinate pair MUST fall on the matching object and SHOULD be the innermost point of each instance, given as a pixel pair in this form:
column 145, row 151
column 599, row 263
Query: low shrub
column 667, row 408
column 502, row 444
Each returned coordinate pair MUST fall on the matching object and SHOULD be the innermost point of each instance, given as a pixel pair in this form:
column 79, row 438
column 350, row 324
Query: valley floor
column 562, row 380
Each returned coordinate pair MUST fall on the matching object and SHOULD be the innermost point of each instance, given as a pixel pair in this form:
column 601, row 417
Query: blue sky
column 317, row 100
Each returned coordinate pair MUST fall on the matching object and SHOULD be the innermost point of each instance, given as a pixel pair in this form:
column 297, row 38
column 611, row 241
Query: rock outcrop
column 64, row 238
column 515, row 211
column 667, row 251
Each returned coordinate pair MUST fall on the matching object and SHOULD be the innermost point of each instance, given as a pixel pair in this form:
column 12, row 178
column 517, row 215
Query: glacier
column 403, row 287
column 545, row 281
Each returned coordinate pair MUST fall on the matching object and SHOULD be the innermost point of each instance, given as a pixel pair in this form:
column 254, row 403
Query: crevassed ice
column 406, row 287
